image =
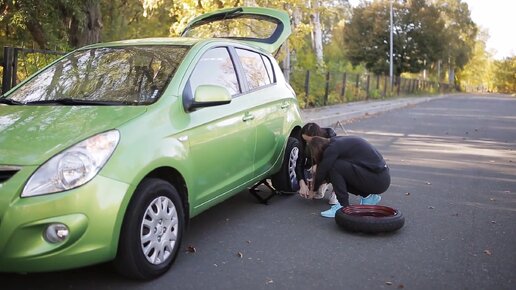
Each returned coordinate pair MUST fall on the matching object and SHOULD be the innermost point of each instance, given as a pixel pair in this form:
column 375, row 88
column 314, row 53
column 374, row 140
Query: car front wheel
column 152, row 231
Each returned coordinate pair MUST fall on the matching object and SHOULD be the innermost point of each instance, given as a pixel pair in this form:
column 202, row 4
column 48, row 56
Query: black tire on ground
column 151, row 231
column 370, row 219
column 285, row 180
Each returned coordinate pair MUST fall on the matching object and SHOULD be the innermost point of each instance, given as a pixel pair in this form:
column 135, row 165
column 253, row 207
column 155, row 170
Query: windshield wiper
column 74, row 102
column 10, row 102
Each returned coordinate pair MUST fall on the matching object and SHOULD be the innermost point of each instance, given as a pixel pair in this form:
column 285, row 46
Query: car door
column 221, row 138
column 268, row 107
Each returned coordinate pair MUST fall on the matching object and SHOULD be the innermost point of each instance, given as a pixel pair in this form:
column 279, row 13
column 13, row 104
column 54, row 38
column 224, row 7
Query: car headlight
column 73, row 167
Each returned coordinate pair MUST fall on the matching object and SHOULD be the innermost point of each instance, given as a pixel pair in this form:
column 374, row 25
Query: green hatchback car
column 108, row 151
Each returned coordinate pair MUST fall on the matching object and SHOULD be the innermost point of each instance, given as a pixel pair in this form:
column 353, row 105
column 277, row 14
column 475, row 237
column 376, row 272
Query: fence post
column 356, row 85
column 367, row 86
column 378, row 82
column 343, row 90
column 14, row 78
column 384, row 86
column 307, row 87
column 326, row 88
column 8, row 68
column 399, row 85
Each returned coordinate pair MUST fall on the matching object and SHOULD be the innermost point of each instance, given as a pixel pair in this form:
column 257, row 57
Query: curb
column 332, row 116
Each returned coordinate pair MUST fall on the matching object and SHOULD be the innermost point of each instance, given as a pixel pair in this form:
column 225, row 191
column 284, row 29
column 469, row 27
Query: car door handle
column 248, row 117
column 284, row 105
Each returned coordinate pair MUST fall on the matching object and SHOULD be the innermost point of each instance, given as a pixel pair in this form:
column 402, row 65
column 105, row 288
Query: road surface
column 453, row 166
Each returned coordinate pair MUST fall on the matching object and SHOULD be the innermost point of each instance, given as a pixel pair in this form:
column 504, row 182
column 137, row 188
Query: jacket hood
column 30, row 135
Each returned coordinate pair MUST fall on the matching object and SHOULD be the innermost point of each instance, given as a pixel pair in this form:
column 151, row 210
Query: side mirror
column 209, row 96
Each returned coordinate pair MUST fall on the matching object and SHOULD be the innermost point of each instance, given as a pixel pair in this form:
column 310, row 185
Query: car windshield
column 103, row 76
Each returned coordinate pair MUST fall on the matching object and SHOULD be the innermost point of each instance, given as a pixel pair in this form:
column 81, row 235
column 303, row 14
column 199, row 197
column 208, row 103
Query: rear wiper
column 10, row 102
column 73, row 102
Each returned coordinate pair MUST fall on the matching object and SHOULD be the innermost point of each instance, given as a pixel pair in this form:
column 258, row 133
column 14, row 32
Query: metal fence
column 326, row 88
column 20, row 63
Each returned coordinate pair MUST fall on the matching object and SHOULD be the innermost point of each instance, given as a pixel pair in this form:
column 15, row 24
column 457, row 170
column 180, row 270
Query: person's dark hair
column 312, row 129
column 316, row 146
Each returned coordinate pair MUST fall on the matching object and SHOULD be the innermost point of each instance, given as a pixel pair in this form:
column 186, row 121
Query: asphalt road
column 453, row 166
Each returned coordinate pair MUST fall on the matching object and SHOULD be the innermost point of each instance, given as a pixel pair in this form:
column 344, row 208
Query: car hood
column 30, row 135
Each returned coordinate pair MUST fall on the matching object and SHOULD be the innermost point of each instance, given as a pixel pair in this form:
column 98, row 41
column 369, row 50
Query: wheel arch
column 172, row 176
column 168, row 174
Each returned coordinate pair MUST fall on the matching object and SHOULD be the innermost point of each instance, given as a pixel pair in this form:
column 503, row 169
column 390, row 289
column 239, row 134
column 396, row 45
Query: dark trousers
column 348, row 177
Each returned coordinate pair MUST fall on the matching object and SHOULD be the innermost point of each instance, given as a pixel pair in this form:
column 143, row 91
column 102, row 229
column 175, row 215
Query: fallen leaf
column 191, row 249
column 487, row 252
column 240, row 255
column 401, row 286
column 269, row 281
column 407, row 193
column 388, row 283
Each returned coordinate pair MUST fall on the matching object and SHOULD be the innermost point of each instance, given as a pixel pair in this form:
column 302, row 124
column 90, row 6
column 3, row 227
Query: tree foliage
column 424, row 33
column 50, row 24
column 505, row 75
column 477, row 74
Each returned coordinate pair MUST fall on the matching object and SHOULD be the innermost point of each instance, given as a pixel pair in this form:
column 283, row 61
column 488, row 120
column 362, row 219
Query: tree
column 459, row 35
column 505, row 75
column 477, row 73
column 51, row 24
column 416, row 29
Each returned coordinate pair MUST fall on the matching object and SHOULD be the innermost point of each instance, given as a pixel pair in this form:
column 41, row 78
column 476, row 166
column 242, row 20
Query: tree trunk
column 37, row 33
column 317, row 34
column 86, row 31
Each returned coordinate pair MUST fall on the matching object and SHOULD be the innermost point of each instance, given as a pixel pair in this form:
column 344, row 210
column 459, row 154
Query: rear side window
column 268, row 66
column 255, row 69
column 215, row 68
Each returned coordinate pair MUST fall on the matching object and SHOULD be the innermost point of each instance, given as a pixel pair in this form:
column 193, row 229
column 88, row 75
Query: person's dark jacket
column 354, row 149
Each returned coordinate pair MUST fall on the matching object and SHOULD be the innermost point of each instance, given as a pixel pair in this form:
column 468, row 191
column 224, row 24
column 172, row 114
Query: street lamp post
column 390, row 44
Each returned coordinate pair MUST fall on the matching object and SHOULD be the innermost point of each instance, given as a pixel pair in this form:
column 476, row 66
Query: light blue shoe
column 331, row 212
column 372, row 199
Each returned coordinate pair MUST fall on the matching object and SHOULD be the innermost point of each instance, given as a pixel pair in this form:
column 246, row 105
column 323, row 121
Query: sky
column 498, row 17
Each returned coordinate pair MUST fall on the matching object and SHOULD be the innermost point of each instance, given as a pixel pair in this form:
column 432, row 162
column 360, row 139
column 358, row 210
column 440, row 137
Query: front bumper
column 93, row 213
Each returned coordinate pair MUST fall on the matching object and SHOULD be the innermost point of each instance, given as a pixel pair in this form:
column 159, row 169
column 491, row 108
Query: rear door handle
column 248, row 117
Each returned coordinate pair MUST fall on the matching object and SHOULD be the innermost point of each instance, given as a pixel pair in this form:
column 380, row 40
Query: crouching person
column 352, row 165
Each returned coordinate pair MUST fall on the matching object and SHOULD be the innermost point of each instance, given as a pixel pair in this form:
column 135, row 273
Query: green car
column 108, row 151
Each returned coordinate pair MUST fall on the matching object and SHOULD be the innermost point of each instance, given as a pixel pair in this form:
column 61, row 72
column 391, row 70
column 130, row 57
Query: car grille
column 7, row 172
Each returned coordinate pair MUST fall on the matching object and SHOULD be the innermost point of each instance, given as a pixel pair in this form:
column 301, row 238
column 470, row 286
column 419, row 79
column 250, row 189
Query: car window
column 268, row 66
column 215, row 68
column 120, row 75
column 254, row 68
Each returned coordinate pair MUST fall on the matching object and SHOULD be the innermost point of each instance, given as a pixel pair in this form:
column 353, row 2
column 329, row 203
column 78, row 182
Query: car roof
column 184, row 41
column 179, row 41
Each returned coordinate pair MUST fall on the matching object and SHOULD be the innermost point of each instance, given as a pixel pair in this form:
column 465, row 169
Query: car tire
column 151, row 232
column 285, row 181
column 370, row 219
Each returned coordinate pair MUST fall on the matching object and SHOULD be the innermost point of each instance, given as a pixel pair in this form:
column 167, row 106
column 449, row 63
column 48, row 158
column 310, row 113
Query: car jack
column 263, row 199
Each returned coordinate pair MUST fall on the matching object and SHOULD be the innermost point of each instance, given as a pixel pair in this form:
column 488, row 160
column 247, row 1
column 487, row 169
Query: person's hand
column 304, row 191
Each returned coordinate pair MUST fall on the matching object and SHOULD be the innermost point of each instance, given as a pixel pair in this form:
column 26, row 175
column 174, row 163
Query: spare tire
column 370, row 219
